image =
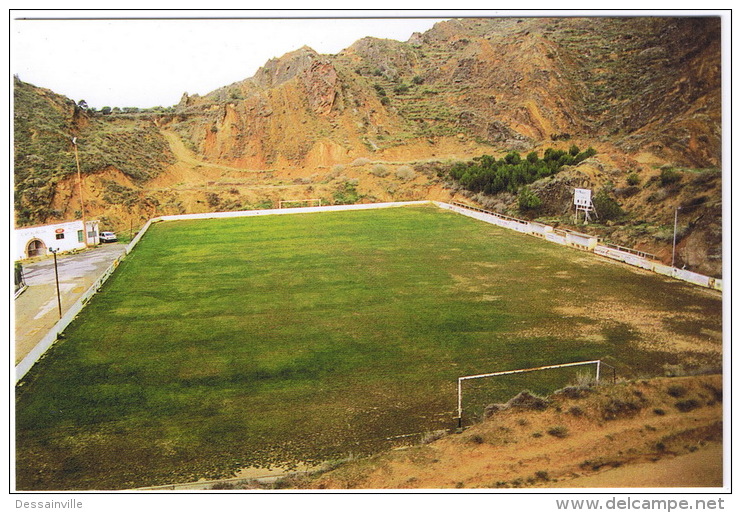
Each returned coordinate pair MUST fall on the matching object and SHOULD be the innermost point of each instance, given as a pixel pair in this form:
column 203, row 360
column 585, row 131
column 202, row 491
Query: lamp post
column 56, row 275
column 79, row 186
column 674, row 239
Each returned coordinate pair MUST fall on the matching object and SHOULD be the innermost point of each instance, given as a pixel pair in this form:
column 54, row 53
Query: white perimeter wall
column 586, row 243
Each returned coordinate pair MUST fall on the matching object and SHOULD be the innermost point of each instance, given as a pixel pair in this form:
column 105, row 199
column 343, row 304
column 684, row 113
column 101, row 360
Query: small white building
column 581, row 240
column 37, row 240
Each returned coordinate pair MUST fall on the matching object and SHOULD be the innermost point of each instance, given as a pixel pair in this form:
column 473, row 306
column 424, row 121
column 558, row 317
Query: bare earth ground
column 702, row 468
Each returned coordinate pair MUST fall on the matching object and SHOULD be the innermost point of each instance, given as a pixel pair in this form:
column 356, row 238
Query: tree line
column 106, row 110
column 490, row 176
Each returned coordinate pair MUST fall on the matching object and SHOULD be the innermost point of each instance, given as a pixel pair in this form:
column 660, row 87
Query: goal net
column 478, row 391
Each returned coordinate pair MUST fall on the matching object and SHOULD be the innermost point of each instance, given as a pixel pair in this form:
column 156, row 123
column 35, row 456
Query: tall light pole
column 56, row 275
column 674, row 239
column 79, row 187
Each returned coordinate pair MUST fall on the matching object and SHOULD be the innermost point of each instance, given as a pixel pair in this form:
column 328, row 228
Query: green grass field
column 224, row 344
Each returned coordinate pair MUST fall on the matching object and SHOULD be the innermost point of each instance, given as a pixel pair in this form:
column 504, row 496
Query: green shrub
column 576, row 411
column 558, row 431
column 490, row 176
column 213, row 199
column 476, row 439
column 607, row 208
column 561, row 137
column 676, row 391
column 687, row 405
column 669, row 176
column 618, row 408
column 633, row 179
column 528, row 200
column 379, row 90
column 223, row 485
column 542, row 475
column 346, row 194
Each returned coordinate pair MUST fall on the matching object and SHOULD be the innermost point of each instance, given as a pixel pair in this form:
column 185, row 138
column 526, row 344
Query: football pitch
column 263, row 341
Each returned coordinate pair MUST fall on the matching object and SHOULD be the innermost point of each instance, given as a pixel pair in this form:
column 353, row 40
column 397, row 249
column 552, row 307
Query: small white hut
column 38, row 240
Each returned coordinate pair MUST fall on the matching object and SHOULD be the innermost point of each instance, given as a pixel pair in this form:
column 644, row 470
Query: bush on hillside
column 406, row 173
column 669, row 176
column 607, row 208
column 491, row 176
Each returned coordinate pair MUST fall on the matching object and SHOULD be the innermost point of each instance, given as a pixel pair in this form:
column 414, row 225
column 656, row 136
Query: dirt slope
column 663, row 432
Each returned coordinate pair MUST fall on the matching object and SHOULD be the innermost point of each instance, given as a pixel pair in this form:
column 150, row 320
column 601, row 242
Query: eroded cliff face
column 647, row 85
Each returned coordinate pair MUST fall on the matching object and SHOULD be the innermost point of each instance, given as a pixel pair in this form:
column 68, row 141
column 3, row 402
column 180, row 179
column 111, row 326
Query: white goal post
column 517, row 371
column 310, row 202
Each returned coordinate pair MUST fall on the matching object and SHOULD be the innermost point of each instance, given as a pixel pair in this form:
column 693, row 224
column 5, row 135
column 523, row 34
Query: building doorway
column 35, row 248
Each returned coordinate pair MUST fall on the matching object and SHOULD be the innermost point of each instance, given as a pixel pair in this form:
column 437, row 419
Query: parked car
column 107, row 237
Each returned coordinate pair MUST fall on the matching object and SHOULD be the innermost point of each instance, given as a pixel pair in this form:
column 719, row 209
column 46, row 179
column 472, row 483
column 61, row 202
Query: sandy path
column 184, row 155
column 702, row 468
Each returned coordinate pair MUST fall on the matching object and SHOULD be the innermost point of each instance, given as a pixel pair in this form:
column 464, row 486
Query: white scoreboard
column 583, row 197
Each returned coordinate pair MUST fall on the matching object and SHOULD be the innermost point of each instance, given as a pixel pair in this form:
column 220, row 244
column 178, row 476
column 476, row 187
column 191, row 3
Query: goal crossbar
column 516, row 371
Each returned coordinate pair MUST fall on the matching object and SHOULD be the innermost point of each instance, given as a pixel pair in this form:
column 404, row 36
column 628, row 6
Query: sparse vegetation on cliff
column 45, row 124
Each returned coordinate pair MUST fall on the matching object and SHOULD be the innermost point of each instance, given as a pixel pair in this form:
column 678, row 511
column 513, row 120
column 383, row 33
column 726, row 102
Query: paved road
column 36, row 310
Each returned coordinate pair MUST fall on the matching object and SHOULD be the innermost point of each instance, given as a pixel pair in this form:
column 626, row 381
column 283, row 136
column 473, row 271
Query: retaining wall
column 584, row 242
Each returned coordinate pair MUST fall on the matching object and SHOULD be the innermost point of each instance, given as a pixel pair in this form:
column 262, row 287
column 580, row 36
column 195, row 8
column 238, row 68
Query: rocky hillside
column 385, row 120
column 116, row 155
